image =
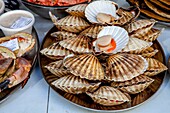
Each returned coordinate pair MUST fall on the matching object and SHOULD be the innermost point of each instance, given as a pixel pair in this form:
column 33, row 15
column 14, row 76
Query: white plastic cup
column 8, row 18
column 2, row 6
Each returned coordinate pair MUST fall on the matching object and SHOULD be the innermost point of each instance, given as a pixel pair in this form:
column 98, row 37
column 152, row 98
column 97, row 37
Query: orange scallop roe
column 113, row 43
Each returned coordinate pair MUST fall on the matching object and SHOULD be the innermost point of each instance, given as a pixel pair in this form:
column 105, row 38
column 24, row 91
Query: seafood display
column 101, row 57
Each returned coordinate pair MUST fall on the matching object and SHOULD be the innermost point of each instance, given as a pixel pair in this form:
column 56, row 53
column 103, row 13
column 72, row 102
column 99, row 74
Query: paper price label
column 11, row 44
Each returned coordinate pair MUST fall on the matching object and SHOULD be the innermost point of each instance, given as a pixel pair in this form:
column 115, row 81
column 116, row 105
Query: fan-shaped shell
column 123, row 67
column 86, row 66
column 74, row 84
column 136, row 44
column 108, row 96
column 62, row 35
column 133, row 86
column 80, row 44
column 55, row 51
column 92, row 31
column 119, row 35
column 156, row 84
column 51, row 78
column 77, row 10
column 57, row 68
column 154, row 67
column 97, row 7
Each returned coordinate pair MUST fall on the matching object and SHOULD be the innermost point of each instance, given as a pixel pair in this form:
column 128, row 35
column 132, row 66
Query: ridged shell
column 62, row 35
column 140, row 26
column 77, row 10
column 133, row 86
column 119, row 35
column 57, row 68
column 136, row 44
column 55, row 51
column 150, row 36
column 70, row 23
column 96, row 7
column 80, row 44
column 86, row 66
column 92, row 31
column 123, row 67
column 154, row 67
column 108, row 96
column 74, row 84
column 156, row 84
column 51, row 78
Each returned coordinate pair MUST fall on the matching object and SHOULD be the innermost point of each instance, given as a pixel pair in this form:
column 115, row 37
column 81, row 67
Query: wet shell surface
column 96, row 7
column 108, row 96
column 62, row 35
column 118, row 34
column 74, row 84
column 154, row 67
column 136, row 44
column 77, row 10
column 86, row 66
column 123, row 67
column 80, row 44
column 57, row 68
column 133, row 86
column 55, row 51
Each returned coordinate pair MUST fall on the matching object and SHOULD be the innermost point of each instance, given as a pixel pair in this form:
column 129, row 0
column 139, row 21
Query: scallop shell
column 6, row 53
column 136, row 44
column 86, row 66
column 51, row 78
column 74, row 84
column 123, row 67
column 108, row 96
column 154, row 67
column 156, row 84
column 92, row 31
column 80, row 44
column 96, row 7
column 77, row 10
column 119, row 35
column 70, row 23
column 55, row 51
column 133, row 86
column 140, row 26
column 62, row 35
column 57, row 68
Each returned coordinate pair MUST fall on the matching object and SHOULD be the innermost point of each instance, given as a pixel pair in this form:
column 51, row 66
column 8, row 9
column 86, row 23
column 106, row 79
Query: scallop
column 117, row 34
column 86, row 66
column 123, row 67
column 133, row 86
column 62, row 35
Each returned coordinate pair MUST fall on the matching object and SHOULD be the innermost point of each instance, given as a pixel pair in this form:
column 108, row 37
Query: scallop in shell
column 111, row 39
column 108, row 96
column 80, row 44
column 133, row 86
column 70, row 23
column 86, row 66
column 154, row 67
column 74, row 84
column 77, row 10
column 57, row 68
column 62, row 35
column 55, row 51
column 123, row 67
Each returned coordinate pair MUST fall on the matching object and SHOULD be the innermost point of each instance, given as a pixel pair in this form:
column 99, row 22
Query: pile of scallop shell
column 102, row 51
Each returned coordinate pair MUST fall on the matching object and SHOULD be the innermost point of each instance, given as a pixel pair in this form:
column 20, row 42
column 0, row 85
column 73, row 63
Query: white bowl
column 8, row 18
column 2, row 6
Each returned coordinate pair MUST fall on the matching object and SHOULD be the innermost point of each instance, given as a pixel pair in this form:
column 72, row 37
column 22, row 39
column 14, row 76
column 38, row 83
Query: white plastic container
column 2, row 6
column 9, row 18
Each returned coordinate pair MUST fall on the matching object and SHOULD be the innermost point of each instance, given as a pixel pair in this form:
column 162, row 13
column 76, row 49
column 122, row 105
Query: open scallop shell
column 119, row 35
column 62, row 35
column 123, row 67
column 106, row 7
column 108, row 96
column 86, row 66
column 80, row 44
column 133, row 86
column 74, row 84
column 77, row 10
column 70, row 23
column 57, row 68
column 154, row 67
column 136, row 44
column 55, row 51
